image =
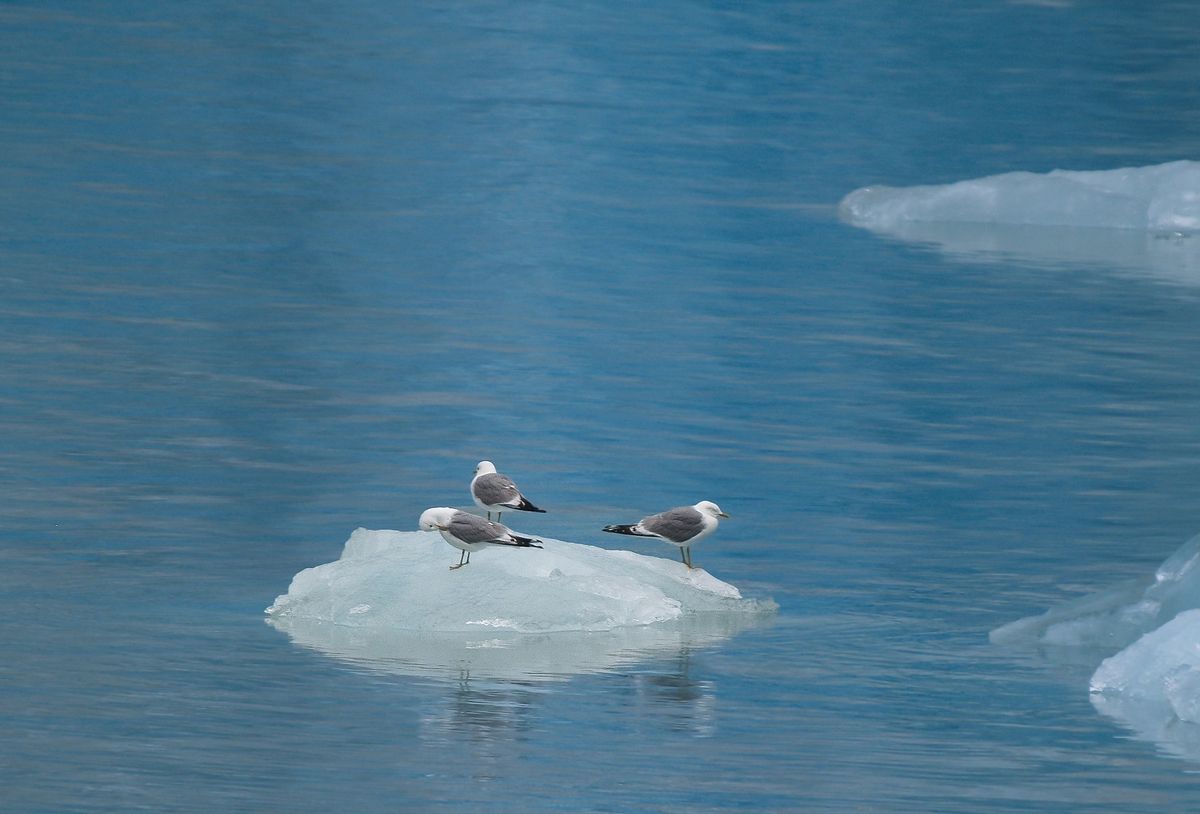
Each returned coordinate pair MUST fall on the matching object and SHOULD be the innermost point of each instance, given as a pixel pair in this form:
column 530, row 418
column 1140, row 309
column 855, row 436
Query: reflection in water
column 496, row 680
column 1172, row 258
column 687, row 704
column 1153, row 722
column 488, row 716
column 513, row 657
column 493, row 714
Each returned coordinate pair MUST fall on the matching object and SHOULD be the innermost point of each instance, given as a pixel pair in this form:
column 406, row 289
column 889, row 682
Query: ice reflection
column 497, row 683
column 1152, row 721
column 1167, row 257
column 514, row 657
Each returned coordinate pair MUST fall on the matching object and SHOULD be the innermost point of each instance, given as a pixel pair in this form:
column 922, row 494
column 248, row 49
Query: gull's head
column 435, row 519
column 485, row 468
column 709, row 508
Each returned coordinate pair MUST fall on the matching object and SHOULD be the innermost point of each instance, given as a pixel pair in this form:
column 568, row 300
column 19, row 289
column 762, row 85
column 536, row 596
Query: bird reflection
column 491, row 716
column 488, row 713
column 687, row 704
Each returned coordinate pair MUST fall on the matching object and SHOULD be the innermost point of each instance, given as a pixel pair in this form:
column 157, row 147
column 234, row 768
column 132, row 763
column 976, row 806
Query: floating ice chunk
column 1162, row 667
column 1161, row 198
column 391, row 604
column 1152, row 684
column 1139, row 220
column 1113, row 618
column 400, row 581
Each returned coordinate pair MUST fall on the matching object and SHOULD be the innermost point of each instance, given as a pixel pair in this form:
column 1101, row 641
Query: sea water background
column 272, row 272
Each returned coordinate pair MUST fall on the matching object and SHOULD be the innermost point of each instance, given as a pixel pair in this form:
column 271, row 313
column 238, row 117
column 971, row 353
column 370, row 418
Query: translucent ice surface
column 1162, row 667
column 1161, row 198
column 1141, row 220
column 1152, row 682
column 391, row 603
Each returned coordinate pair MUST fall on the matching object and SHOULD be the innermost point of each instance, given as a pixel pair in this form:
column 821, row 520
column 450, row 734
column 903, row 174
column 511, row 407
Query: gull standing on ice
column 495, row 492
column 469, row 532
column 681, row 526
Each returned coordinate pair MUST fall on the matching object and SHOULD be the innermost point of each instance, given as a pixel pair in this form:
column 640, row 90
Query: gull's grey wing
column 496, row 490
column 677, row 525
column 472, row 528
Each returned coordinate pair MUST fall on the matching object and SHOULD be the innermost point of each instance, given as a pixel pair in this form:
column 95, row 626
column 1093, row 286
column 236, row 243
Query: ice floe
column 1149, row 631
column 1158, row 198
column 391, row 603
column 1138, row 219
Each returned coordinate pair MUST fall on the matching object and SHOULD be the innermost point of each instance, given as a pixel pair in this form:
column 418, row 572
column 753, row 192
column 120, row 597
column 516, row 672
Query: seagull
column 681, row 526
column 470, row 532
column 493, row 491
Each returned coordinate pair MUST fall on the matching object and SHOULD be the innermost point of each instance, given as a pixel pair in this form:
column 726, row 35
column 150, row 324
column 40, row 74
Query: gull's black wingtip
column 522, row 542
column 526, row 506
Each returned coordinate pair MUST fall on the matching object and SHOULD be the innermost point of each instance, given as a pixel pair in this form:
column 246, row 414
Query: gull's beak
column 722, row 514
column 440, row 526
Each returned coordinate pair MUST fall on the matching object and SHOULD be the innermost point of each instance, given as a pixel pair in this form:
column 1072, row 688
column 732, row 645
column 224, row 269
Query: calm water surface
column 271, row 273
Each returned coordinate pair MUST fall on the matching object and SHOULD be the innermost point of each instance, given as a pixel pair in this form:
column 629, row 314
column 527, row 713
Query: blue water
column 271, row 272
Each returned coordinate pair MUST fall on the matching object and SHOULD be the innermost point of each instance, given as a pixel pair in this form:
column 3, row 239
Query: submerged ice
column 1150, row 632
column 400, row 581
column 1114, row 618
